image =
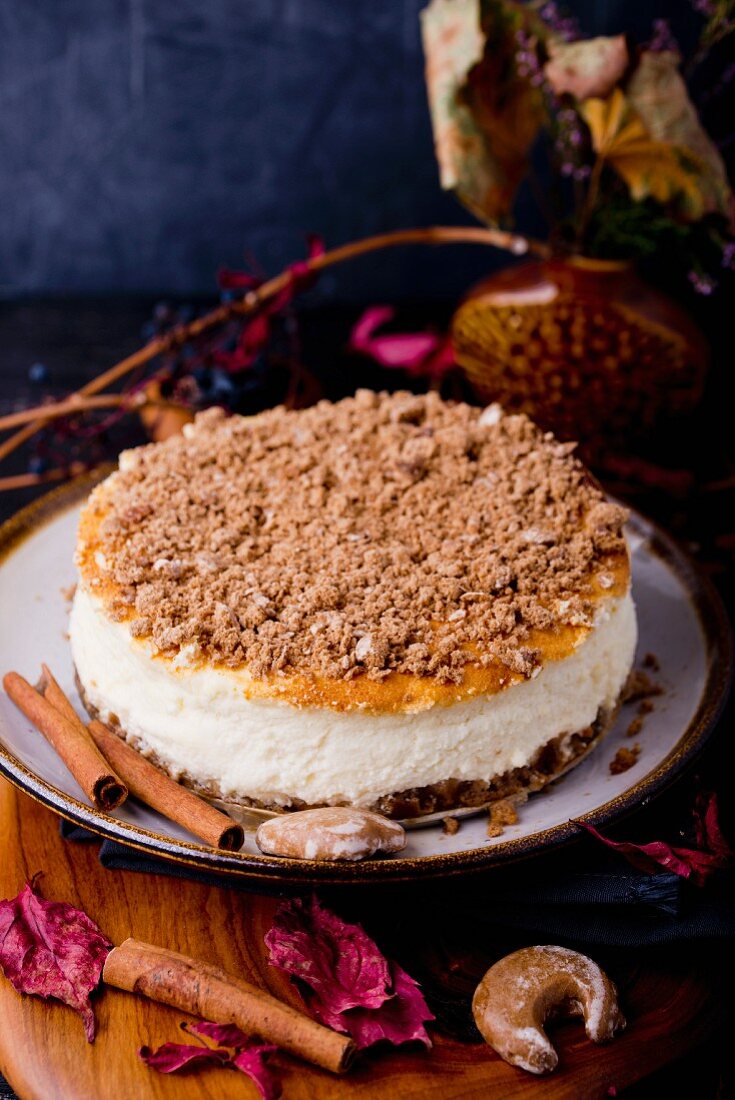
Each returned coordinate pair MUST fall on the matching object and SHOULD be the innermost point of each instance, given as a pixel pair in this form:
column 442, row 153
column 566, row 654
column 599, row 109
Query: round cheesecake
column 391, row 602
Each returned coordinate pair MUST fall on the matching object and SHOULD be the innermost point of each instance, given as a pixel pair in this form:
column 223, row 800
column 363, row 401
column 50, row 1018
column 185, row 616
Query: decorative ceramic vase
column 585, row 347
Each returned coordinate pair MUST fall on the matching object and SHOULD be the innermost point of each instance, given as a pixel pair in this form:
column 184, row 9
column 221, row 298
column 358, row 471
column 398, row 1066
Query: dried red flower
column 346, row 981
column 51, row 949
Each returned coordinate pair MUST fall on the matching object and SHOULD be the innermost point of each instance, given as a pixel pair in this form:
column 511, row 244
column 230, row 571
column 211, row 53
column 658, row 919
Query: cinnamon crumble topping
column 381, row 533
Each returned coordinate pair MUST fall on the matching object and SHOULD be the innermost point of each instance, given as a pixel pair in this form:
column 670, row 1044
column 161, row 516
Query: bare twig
column 58, row 473
column 71, row 406
column 496, row 238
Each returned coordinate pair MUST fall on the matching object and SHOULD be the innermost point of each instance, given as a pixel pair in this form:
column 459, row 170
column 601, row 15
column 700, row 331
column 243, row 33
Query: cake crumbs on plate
column 500, row 814
column 640, row 686
column 624, row 759
column 635, row 727
column 450, row 825
column 651, row 661
column 346, row 539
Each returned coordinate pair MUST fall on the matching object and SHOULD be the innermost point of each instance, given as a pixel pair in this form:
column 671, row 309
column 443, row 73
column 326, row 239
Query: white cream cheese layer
column 198, row 720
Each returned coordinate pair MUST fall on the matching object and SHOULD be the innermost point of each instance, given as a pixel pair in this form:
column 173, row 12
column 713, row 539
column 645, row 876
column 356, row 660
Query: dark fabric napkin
column 582, row 895
column 119, row 857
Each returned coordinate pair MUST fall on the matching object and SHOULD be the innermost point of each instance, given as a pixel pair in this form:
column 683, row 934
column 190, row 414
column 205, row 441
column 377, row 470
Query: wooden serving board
column 44, row 1055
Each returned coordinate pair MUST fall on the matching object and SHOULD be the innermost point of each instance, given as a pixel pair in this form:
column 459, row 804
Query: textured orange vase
column 585, row 347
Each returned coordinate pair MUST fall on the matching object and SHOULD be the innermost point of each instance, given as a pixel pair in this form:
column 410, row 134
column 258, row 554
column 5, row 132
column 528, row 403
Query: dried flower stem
column 497, row 238
column 590, row 201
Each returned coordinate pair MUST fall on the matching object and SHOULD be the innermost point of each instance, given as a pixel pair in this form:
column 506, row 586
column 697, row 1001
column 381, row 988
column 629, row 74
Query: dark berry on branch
column 37, row 464
column 38, row 373
column 222, row 387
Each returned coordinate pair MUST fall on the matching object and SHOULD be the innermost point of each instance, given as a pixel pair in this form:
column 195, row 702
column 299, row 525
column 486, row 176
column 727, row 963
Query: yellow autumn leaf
column 604, row 116
column 649, row 168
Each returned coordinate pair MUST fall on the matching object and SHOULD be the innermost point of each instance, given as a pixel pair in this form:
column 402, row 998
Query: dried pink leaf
column 399, row 1019
column 225, row 1035
column 353, row 988
column 173, row 1057
column 338, row 961
column 416, row 352
column 51, row 949
column 252, row 1061
column 707, row 827
column 248, row 1056
column 688, row 863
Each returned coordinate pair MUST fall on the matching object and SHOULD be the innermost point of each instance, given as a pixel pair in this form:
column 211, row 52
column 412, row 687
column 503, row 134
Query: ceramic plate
column 681, row 621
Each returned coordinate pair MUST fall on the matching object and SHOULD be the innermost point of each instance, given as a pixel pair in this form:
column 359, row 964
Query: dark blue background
column 143, row 143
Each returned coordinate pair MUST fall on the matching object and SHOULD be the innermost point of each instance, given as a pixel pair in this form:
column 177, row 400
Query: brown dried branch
column 496, row 238
column 75, row 404
column 57, row 473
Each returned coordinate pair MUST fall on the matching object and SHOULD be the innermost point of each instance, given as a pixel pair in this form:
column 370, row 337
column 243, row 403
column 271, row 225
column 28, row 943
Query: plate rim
column 717, row 634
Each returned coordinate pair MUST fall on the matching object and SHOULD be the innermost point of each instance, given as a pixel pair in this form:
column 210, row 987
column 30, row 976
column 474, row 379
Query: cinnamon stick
column 162, row 793
column 203, row 990
column 54, row 694
column 70, row 740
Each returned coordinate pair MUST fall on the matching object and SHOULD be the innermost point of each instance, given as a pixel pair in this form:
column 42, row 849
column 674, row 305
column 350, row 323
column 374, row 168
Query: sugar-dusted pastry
column 521, row 991
column 330, row 834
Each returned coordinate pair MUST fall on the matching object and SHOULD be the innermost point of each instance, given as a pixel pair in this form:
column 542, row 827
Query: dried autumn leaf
column 338, row 961
column 707, row 827
column 225, row 1035
column 251, row 1060
column 353, row 988
column 689, row 863
column 649, row 168
column 485, row 116
column 420, row 353
column 588, row 68
column 173, row 1057
column 51, row 949
column 247, row 1055
column 658, row 94
column 400, row 1019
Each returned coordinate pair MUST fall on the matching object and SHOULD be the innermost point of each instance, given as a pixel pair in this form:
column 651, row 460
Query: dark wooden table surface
column 694, row 496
